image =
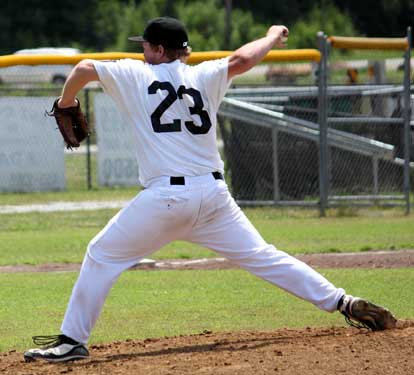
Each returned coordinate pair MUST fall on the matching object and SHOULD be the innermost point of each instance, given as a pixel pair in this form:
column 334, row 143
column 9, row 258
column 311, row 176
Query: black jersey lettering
column 158, row 127
column 175, row 126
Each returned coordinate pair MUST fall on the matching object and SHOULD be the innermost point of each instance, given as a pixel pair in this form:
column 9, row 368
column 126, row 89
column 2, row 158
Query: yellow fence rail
column 196, row 57
column 368, row 43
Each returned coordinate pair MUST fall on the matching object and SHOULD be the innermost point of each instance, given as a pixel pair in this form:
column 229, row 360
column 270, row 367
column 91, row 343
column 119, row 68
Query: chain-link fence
column 373, row 104
column 268, row 134
column 270, row 140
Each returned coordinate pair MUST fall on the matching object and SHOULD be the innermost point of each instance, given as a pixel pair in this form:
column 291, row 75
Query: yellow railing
column 196, row 57
column 368, row 43
column 290, row 55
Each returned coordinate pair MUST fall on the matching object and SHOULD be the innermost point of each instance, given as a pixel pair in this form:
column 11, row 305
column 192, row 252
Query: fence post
column 322, row 120
column 407, row 118
column 375, row 175
column 88, row 143
column 276, row 189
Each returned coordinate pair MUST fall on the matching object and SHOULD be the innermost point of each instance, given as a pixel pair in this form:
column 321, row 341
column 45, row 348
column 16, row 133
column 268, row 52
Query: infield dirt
column 369, row 259
column 319, row 351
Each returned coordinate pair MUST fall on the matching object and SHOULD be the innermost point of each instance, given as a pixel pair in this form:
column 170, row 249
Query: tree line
column 104, row 25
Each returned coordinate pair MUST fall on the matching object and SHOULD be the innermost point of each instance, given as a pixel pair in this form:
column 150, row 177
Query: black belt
column 180, row 180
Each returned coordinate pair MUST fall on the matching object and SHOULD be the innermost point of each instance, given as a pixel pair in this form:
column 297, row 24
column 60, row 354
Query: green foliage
column 387, row 18
column 204, row 20
column 205, row 23
column 107, row 23
column 97, row 25
column 134, row 20
column 278, row 11
column 380, row 18
column 245, row 28
column 38, row 23
column 330, row 20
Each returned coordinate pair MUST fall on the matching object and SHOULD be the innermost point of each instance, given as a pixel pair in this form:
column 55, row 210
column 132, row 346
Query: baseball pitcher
column 172, row 109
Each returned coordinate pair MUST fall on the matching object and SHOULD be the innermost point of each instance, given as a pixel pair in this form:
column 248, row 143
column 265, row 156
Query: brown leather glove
column 71, row 123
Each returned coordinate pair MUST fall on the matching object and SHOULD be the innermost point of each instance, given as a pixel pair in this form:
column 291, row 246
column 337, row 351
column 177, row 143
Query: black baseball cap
column 165, row 31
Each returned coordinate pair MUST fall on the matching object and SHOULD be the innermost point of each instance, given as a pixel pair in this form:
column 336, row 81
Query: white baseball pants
column 202, row 211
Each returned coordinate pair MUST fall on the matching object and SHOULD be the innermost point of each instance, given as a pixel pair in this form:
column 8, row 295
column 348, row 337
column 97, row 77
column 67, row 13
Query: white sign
column 31, row 149
column 117, row 163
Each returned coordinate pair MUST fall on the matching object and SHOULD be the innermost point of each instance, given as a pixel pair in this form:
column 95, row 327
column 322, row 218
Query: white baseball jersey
column 172, row 108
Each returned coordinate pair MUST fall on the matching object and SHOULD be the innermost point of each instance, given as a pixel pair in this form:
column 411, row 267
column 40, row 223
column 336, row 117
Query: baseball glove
column 71, row 123
column 360, row 313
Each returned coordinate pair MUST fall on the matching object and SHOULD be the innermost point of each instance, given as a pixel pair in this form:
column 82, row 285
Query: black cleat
column 361, row 313
column 58, row 348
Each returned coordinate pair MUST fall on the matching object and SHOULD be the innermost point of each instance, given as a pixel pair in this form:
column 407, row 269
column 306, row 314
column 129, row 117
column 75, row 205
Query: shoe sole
column 65, row 359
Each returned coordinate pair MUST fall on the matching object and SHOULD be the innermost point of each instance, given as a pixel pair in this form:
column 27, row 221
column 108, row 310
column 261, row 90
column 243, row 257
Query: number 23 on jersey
column 171, row 97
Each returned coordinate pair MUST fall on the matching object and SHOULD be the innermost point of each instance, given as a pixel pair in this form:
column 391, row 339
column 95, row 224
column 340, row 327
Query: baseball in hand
column 284, row 36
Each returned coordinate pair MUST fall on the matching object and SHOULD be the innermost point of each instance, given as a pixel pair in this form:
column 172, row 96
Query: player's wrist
column 66, row 103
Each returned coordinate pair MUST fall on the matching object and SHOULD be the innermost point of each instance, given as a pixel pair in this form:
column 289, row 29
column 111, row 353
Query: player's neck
column 163, row 60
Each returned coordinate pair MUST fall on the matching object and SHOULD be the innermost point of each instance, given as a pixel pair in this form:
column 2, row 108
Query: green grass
column 159, row 303
column 36, row 238
column 340, row 234
column 102, row 194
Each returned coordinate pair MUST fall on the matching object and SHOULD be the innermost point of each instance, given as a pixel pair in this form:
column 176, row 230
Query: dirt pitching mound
column 305, row 351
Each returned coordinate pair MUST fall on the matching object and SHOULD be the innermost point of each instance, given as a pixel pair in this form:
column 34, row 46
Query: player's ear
column 161, row 50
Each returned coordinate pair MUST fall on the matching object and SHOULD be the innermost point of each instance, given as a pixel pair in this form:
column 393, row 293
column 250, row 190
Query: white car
column 55, row 74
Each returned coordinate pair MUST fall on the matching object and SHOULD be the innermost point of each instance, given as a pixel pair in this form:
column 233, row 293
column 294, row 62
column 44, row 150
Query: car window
column 49, row 51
